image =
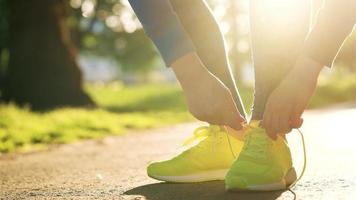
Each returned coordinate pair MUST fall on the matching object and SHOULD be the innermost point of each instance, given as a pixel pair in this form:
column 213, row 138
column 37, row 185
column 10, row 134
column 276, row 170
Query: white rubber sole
column 281, row 185
column 213, row 175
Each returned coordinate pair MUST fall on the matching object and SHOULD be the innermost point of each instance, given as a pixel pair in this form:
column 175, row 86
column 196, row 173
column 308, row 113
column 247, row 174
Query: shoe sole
column 213, row 175
column 281, row 185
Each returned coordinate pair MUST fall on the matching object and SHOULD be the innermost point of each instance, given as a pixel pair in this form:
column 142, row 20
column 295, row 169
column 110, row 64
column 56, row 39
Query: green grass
column 339, row 88
column 122, row 109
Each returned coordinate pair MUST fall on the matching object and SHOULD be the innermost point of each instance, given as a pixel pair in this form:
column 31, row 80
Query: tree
column 42, row 69
column 110, row 29
column 4, row 53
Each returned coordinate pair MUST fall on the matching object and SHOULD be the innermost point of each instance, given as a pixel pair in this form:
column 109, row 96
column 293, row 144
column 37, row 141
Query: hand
column 207, row 97
column 288, row 101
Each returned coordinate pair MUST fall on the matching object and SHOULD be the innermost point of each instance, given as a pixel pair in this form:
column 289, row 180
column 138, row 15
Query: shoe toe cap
column 164, row 168
column 154, row 168
column 235, row 183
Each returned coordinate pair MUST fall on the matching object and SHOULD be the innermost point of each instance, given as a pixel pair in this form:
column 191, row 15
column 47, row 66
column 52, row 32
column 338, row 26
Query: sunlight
column 283, row 11
column 88, row 7
column 127, row 20
column 112, row 21
column 75, row 3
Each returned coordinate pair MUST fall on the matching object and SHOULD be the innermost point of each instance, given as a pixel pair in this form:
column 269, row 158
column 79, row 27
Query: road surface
column 114, row 167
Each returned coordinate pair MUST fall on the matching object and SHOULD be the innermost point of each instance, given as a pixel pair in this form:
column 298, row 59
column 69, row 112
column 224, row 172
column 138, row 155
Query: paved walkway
column 114, row 168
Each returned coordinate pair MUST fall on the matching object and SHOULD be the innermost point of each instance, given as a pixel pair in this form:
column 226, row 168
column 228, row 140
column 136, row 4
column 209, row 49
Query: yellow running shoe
column 263, row 164
column 209, row 155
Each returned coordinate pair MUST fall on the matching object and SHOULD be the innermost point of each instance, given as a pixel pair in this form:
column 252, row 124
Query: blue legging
column 162, row 25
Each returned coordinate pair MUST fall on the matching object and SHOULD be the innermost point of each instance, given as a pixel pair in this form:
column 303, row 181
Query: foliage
column 122, row 109
column 110, row 29
column 4, row 57
column 340, row 87
column 127, row 108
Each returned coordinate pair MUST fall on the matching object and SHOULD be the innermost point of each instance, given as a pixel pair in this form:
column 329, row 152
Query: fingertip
column 296, row 123
column 274, row 137
column 262, row 124
column 269, row 134
column 240, row 118
column 301, row 121
column 238, row 126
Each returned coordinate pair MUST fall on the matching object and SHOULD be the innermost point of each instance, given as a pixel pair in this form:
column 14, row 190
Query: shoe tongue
column 214, row 128
column 255, row 123
column 256, row 132
column 260, row 134
column 200, row 134
column 255, row 128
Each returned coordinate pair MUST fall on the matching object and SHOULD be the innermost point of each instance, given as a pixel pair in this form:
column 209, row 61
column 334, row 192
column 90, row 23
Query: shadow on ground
column 198, row 191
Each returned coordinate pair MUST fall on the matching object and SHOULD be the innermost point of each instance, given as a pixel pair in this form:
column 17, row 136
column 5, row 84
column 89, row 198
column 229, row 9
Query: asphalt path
column 115, row 167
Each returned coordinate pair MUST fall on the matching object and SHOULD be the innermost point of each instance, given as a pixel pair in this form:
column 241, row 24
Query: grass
column 338, row 88
column 122, row 109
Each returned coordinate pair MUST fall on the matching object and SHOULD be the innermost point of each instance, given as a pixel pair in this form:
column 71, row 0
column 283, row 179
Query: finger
column 295, row 120
column 237, row 117
column 232, row 116
column 274, row 126
column 238, row 134
column 232, row 124
column 284, row 126
column 233, row 120
column 266, row 118
column 235, row 125
column 267, row 114
column 235, row 112
column 266, row 123
column 296, row 123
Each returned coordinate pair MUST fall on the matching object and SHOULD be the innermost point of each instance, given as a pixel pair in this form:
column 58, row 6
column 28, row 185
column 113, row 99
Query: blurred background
column 82, row 69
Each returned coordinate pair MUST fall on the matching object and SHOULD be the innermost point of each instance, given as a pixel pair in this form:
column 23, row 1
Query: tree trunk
column 43, row 71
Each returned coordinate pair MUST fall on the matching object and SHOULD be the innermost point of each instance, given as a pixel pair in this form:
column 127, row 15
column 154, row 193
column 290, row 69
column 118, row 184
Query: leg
column 205, row 34
column 278, row 30
column 209, row 100
column 163, row 27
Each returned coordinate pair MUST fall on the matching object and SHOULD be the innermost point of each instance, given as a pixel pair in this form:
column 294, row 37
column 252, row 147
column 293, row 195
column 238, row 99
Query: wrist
column 188, row 69
column 310, row 65
column 307, row 68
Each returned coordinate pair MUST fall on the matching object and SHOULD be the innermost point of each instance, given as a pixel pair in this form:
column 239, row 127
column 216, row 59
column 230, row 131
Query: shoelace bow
column 304, row 160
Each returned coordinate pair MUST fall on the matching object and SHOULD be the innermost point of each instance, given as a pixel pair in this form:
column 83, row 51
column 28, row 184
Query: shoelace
column 304, row 160
column 230, row 145
column 256, row 151
column 200, row 134
column 304, row 165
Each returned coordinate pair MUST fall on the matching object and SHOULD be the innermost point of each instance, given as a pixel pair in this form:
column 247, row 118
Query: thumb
column 234, row 120
column 235, row 125
column 233, row 117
